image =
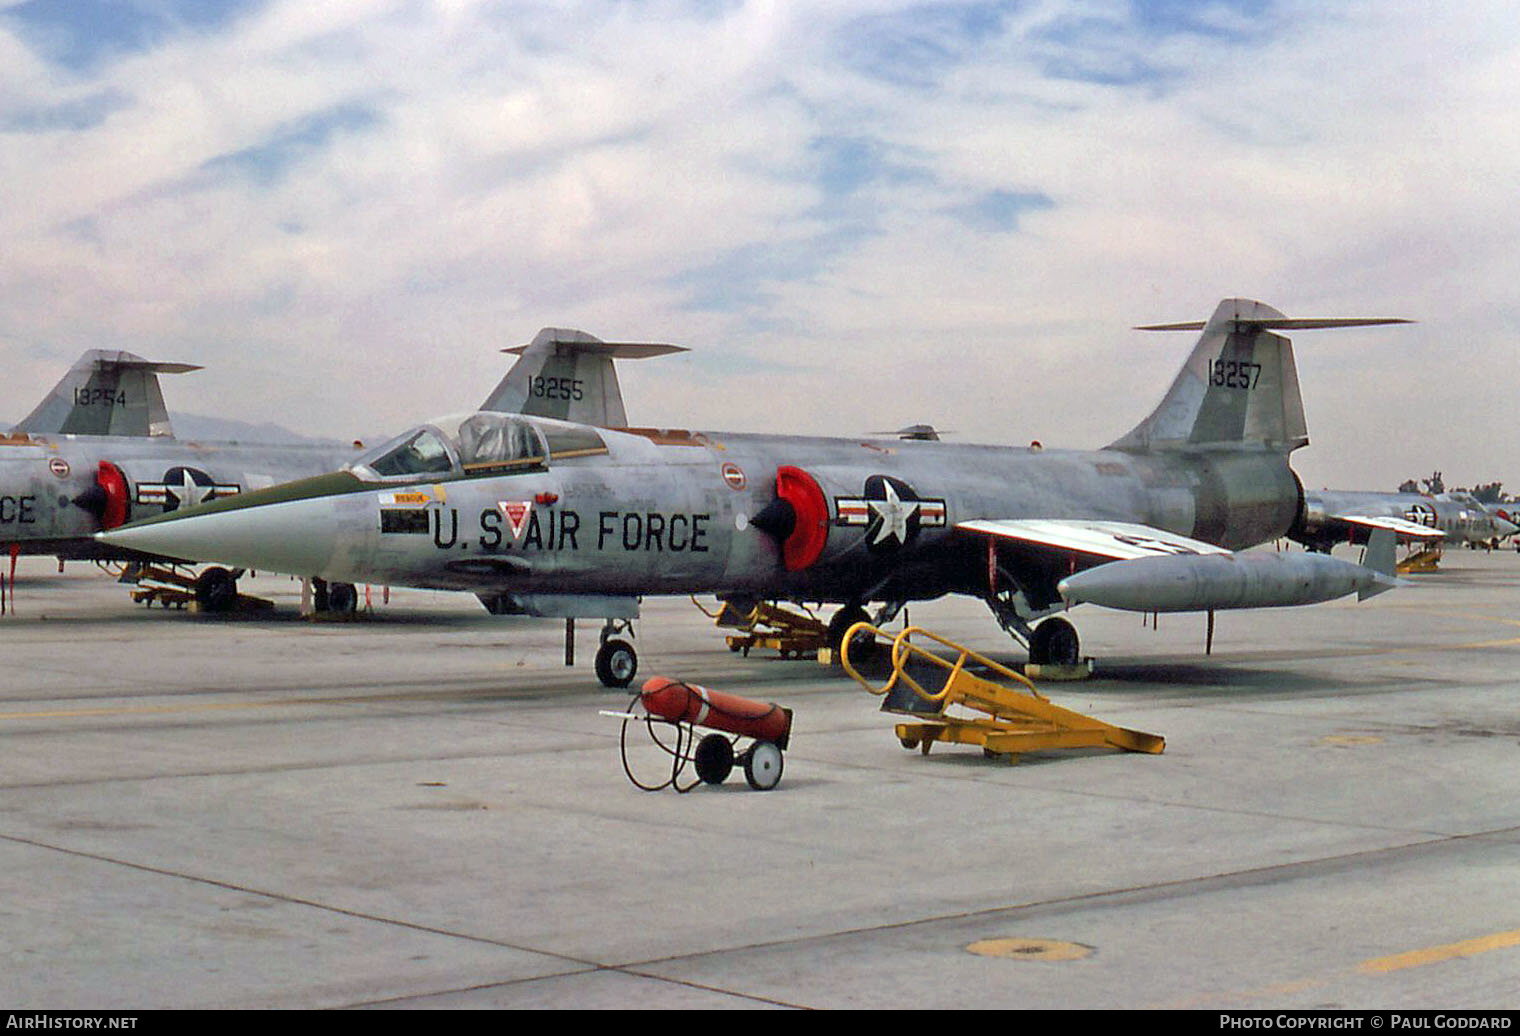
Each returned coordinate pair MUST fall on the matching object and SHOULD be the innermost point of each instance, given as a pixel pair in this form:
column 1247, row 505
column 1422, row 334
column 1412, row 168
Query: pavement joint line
column 582, row 966
column 1202, row 807
column 480, row 756
column 281, row 897
column 970, row 777
column 1137, row 894
column 604, row 969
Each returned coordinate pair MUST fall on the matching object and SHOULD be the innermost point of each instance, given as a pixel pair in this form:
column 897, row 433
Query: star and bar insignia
column 184, row 487
column 891, row 512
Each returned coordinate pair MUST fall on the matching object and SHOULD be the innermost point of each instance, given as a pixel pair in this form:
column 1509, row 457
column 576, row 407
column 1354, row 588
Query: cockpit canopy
column 482, row 443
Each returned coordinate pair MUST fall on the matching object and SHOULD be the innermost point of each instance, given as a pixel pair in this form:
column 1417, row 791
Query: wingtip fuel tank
column 1219, row 582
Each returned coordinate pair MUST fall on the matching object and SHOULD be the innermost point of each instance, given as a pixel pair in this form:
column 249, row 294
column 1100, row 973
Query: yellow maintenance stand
column 791, row 633
column 1016, row 718
column 1425, row 560
column 169, row 586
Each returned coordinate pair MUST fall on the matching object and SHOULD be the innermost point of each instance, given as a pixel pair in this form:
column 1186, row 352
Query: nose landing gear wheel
column 616, row 663
column 216, row 591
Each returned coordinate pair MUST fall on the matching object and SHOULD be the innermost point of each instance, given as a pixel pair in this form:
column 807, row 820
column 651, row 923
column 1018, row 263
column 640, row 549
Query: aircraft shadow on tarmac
column 1154, row 678
column 1147, row 676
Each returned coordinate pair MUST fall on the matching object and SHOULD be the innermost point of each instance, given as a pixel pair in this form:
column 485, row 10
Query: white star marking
column 894, row 513
column 189, row 494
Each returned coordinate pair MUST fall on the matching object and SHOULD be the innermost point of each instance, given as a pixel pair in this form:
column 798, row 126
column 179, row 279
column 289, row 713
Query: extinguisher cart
column 672, row 712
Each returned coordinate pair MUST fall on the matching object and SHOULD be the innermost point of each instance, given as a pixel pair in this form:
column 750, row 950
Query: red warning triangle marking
column 516, row 512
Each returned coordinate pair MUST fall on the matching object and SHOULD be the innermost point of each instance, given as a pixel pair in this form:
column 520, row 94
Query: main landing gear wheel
column 843, row 619
column 762, row 765
column 216, row 591
column 342, row 598
column 616, row 662
column 1055, row 642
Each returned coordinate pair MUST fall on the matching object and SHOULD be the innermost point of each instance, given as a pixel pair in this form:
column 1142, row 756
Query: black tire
column 616, row 663
column 1055, row 642
column 216, row 591
column 714, row 758
column 864, row 645
column 763, row 765
column 342, row 598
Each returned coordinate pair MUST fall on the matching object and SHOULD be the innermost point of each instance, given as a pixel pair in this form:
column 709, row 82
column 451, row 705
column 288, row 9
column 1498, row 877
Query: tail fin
column 569, row 375
column 106, row 393
column 1238, row 388
column 1379, row 557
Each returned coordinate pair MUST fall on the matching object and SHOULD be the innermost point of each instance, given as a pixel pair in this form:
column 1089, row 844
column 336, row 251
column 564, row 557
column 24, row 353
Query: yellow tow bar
column 1017, row 718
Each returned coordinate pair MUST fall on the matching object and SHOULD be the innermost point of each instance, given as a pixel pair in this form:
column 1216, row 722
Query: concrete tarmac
column 427, row 810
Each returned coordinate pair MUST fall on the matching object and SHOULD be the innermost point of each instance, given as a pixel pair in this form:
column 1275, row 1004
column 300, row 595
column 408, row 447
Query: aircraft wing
column 1136, row 567
column 1399, row 526
column 1113, row 541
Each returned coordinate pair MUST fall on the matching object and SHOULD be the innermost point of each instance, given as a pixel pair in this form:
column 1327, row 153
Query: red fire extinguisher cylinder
column 691, row 703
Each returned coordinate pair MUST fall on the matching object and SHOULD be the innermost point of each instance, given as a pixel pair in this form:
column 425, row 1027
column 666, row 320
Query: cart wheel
column 714, row 758
column 762, row 766
column 908, row 742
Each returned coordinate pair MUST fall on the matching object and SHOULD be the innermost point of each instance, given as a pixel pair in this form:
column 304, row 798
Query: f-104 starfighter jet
column 552, row 517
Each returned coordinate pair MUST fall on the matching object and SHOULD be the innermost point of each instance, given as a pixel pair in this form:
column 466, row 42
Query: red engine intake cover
column 808, row 536
column 114, row 484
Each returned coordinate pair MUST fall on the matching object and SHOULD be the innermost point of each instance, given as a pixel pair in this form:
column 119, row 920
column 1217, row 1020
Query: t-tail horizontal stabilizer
column 106, row 393
column 1238, row 388
column 569, row 375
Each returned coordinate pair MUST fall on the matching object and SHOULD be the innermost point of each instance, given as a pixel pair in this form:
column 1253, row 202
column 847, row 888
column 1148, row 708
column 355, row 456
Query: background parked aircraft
column 1331, row 517
column 100, row 449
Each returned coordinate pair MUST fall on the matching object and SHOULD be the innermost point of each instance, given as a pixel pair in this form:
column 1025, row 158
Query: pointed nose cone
column 297, row 537
column 1505, row 526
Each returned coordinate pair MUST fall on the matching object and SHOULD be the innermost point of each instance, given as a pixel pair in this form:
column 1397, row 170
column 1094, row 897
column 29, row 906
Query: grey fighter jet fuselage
column 1331, row 517
column 553, row 517
column 653, row 513
column 57, row 491
column 99, row 450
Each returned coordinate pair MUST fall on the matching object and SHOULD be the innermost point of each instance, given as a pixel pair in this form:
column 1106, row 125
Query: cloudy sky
column 858, row 214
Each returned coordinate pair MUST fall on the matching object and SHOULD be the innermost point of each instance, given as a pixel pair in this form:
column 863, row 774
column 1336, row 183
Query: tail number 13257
column 1235, row 374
